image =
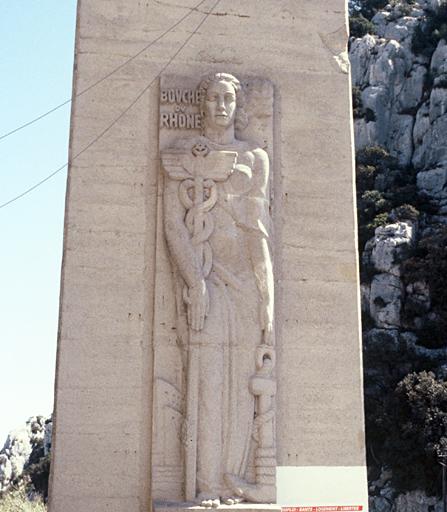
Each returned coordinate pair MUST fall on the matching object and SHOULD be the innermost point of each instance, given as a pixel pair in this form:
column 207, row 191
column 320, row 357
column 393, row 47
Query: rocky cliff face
column 405, row 94
column 399, row 76
column 24, row 458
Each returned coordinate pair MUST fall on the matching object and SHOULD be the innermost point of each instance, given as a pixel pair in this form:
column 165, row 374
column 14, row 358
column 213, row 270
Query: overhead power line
column 182, row 46
column 130, row 59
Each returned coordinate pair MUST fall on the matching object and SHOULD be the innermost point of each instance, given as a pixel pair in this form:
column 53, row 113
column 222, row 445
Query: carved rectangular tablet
column 214, row 339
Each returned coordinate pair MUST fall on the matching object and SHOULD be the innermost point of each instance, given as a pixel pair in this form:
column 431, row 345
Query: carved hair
column 241, row 117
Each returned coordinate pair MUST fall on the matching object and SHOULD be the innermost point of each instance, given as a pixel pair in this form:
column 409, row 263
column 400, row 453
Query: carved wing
column 176, row 163
column 216, row 165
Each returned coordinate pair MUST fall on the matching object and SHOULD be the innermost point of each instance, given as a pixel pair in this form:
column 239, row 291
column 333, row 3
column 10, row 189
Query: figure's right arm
column 183, row 254
column 177, row 236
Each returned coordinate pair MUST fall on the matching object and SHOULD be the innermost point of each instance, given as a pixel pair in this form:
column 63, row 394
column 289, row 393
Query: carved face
column 220, row 105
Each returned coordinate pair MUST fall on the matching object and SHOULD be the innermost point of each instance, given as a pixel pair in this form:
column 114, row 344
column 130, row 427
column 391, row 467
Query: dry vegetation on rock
column 18, row 501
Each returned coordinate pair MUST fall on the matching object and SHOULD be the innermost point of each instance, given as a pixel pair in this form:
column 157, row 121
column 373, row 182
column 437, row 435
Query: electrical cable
column 130, row 59
column 121, row 114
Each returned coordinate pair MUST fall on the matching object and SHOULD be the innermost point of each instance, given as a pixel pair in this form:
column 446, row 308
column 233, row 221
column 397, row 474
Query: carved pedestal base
column 168, row 506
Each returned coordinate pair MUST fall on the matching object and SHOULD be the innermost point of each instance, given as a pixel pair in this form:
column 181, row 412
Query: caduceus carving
column 198, row 194
column 216, row 214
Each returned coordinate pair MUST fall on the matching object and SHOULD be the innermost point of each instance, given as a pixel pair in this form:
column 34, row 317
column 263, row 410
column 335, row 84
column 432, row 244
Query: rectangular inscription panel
column 180, row 121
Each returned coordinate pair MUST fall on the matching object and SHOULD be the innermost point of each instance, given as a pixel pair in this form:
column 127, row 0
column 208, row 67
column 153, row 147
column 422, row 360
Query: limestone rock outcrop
column 20, row 447
column 383, row 255
column 402, row 96
column 408, row 115
column 404, row 102
column 417, row 501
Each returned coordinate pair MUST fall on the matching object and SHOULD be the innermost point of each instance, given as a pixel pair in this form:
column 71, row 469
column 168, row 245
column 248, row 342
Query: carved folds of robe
column 226, row 345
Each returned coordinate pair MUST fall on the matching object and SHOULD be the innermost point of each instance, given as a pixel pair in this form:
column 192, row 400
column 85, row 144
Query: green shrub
column 387, row 361
column 406, row 212
column 359, row 26
column 357, row 105
column 38, row 474
column 382, row 187
column 399, row 194
column 427, row 35
column 376, row 156
column 379, row 220
column 372, row 211
column 365, row 176
column 415, row 426
column 429, row 264
column 372, row 202
column 366, row 231
column 367, row 8
column 405, row 9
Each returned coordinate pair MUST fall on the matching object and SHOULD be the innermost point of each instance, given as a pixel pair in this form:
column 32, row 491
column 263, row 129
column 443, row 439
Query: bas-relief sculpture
column 217, row 227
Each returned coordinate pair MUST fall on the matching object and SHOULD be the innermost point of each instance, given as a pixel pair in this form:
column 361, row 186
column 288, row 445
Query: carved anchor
column 263, row 387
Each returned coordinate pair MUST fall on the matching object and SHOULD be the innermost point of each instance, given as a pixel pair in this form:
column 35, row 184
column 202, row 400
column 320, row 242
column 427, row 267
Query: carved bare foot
column 208, row 501
column 255, row 493
column 232, row 500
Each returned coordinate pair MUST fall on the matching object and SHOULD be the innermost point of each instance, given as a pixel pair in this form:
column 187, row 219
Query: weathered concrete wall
column 103, row 389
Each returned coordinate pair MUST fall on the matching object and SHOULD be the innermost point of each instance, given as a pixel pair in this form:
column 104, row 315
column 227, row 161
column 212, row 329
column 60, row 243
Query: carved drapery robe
column 237, row 218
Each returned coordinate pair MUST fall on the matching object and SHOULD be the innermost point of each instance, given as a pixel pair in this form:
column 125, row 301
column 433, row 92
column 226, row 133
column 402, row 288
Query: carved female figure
column 216, row 213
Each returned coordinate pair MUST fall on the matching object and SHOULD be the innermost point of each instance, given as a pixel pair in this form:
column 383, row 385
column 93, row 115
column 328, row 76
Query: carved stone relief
column 214, row 337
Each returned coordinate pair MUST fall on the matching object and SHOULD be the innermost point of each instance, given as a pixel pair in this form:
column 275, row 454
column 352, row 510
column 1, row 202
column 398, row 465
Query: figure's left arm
column 259, row 247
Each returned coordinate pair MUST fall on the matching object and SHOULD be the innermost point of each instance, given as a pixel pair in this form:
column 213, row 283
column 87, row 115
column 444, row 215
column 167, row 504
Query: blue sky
column 37, row 41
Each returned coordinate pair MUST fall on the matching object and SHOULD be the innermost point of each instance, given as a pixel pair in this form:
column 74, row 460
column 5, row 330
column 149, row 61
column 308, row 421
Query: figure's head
column 221, row 102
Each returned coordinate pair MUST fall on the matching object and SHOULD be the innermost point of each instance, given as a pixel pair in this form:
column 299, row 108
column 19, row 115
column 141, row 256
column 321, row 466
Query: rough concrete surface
column 102, row 436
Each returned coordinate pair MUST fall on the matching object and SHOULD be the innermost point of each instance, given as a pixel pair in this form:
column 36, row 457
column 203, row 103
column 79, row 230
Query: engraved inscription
column 180, row 120
column 178, row 96
column 179, row 109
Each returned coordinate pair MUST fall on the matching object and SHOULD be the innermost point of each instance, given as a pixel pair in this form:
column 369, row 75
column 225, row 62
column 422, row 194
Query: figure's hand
column 198, row 304
column 266, row 316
